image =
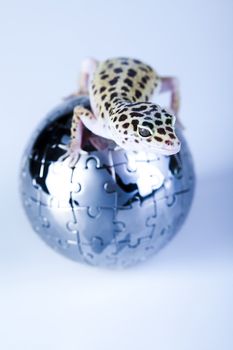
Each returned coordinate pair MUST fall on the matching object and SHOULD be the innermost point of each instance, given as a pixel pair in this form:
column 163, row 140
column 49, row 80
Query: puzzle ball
column 114, row 208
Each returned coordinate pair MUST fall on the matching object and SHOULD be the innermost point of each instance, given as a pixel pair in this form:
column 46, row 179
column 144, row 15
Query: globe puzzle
column 114, row 208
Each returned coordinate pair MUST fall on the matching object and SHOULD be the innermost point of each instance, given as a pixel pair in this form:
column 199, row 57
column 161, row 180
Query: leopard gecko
column 119, row 91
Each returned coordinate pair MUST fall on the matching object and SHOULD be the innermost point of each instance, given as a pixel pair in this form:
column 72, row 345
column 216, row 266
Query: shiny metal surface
column 114, row 208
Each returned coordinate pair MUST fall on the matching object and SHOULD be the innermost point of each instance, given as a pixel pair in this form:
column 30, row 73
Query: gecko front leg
column 75, row 146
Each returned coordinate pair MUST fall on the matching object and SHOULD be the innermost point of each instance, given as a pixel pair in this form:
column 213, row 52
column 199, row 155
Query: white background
column 180, row 299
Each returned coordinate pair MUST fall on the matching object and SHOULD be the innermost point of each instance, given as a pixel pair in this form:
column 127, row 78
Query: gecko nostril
column 169, row 143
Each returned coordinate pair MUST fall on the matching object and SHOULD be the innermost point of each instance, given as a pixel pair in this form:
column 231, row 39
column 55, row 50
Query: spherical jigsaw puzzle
column 113, row 207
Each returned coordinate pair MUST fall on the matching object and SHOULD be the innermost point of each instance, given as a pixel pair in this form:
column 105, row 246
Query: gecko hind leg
column 74, row 149
column 88, row 67
column 171, row 84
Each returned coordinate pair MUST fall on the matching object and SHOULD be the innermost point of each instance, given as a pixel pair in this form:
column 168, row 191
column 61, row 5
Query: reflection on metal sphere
column 115, row 208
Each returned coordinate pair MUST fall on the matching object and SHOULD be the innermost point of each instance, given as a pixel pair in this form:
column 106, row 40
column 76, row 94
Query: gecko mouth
column 168, row 151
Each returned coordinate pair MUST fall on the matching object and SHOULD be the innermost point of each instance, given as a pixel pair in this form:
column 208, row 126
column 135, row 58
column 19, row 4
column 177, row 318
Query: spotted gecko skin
column 120, row 89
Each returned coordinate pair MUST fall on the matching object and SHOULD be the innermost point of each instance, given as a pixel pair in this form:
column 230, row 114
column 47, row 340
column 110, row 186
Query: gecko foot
column 72, row 154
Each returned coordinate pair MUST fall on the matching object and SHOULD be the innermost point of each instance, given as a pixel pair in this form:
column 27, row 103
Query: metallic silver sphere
column 115, row 208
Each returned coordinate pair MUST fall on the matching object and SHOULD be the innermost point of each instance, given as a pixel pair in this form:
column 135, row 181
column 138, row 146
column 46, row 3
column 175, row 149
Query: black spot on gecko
column 118, row 70
column 172, row 136
column 168, row 121
column 145, row 79
column 128, row 82
column 138, row 94
column 114, row 94
column 142, row 86
column 168, row 128
column 158, row 115
column 107, row 105
column 135, row 124
column 110, row 65
column 140, row 108
column 137, row 61
column 158, row 122
column 105, row 76
column 113, row 81
column 153, row 108
column 125, row 125
column 124, row 88
column 102, row 89
column 103, row 97
column 124, row 110
column 132, row 73
column 143, row 69
column 159, row 139
column 149, row 68
column 161, row 131
column 125, row 63
column 149, row 125
column 136, row 114
column 123, row 117
column 102, row 115
column 139, row 103
column 112, row 89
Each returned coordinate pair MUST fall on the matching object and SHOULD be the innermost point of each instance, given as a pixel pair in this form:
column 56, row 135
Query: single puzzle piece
column 60, row 185
column 50, row 226
column 95, row 187
column 57, row 218
column 147, row 177
column 91, row 252
column 141, row 227
column 171, row 215
column 91, row 224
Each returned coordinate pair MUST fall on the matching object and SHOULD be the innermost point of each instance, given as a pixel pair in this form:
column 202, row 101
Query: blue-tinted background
column 181, row 299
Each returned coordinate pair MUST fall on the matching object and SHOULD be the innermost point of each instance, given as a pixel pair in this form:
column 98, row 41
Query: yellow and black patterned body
column 120, row 90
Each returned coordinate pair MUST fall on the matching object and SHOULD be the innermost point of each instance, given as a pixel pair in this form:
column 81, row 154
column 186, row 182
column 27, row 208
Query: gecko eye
column 144, row 131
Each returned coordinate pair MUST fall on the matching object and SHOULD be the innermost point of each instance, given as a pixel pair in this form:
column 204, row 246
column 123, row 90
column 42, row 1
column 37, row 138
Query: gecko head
column 145, row 126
